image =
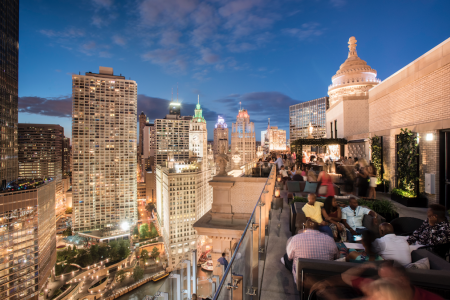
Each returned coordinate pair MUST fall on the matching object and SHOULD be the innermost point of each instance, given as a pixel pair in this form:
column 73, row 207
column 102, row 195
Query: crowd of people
column 356, row 175
column 327, row 225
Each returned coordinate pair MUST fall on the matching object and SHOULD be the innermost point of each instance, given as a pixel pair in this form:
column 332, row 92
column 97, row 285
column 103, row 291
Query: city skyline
column 277, row 58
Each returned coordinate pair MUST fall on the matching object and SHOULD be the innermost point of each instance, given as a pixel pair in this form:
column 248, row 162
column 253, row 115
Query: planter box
column 410, row 202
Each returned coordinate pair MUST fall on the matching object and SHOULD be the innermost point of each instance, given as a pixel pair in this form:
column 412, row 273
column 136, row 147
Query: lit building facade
column 243, row 142
column 172, row 138
column 310, row 112
column 9, row 78
column 275, row 139
column 183, row 195
column 41, row 149
column 220, row 136
column 104, row 183
column 67, row 155
column 27, row 241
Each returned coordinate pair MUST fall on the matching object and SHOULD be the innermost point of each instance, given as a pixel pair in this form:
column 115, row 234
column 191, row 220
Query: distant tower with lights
column 198, row 137
column 243, row 142
column 220, row 136
column 104, row 132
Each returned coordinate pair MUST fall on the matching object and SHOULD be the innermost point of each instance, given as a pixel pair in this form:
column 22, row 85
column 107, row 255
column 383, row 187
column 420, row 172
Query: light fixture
column 277, row 193
column 279, row 178
column 429, row 137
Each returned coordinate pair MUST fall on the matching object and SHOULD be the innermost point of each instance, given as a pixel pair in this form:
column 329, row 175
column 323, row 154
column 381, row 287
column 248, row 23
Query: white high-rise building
column 243, row 143
column 104, row 131
column 183, row 194
column 198, row 138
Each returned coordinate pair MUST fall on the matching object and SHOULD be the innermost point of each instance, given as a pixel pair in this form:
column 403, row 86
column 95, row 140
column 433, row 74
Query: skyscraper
column 302, row 114
column 243, row 143
column 142, row 123
column 67, row 154
column 198, row 137
column 9, row 77
column 41, row 151
column 220, row 135
column 104, row 150
column 183, row 194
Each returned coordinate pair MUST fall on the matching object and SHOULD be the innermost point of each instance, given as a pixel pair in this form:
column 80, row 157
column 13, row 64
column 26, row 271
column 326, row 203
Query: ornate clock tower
column 198, row 137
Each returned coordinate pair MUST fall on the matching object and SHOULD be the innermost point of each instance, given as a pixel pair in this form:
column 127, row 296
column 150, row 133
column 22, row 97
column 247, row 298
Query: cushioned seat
column 406, row 225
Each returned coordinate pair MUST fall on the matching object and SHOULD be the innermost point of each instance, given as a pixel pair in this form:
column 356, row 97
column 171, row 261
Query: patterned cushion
column 423, row 263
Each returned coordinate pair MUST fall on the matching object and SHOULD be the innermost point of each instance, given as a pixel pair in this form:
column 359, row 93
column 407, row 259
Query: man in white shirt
column 392, row 247
column 352, row 217
column 279, row 162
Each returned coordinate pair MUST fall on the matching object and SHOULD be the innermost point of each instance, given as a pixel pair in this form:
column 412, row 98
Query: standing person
column 279, row 162
column 333, row 215
column 352, row 217
column 312, row 176
column 363, row 181
column 373, row 181
column 313, row 212
column 326, row 188
column 223, row 261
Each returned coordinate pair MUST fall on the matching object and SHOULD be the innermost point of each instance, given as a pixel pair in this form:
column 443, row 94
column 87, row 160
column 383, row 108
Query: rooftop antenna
column 177, row 92
column 198, row 101
column 240, row 105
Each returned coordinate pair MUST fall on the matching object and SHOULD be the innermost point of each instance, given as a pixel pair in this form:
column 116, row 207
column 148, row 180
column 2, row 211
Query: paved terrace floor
column 278, row 282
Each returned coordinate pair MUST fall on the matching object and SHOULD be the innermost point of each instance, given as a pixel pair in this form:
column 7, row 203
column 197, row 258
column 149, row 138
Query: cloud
column 103, row 3
column 67, row 33
column 161, row 12
column 201, row 75
column 158, row 108
column 105, row 54
column 54, row 107
column 305, row 31
column 168, row 58
column 209, row 57
column 170, row 37
column 261, row 104
column 98, row 21
column 237, row 6
column 117, row 39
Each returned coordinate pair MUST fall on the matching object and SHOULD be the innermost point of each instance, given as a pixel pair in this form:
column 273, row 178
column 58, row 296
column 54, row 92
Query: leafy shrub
column 403, row 193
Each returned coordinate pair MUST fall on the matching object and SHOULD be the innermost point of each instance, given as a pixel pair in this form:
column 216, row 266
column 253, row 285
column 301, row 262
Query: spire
column 198, row 99
column 352, row 46
column 240, row 105
column 198, row 103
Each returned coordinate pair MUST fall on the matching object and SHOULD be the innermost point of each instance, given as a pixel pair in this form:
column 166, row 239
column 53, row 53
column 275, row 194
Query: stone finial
column 352, row 46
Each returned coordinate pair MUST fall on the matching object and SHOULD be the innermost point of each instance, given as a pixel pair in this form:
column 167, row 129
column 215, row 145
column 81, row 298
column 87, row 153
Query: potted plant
column 407, row 192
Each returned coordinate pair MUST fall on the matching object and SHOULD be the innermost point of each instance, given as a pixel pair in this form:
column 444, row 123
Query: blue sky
column 266, row 54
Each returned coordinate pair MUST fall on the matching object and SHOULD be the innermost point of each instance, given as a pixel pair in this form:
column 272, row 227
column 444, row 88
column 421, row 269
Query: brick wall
column 424, row 100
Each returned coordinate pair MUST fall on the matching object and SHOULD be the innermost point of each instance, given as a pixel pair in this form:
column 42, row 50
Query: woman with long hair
column 373, row 181
column 332, row 214
column 369, row 253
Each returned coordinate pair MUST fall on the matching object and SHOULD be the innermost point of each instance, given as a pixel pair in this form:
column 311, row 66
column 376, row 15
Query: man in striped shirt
column 311, row 244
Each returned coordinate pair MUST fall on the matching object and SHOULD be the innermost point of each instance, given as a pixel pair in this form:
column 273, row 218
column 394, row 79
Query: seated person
column 435, row 230
column 313, row 212
column 352, row 217
column 332, row 214
column 369, row 253
column 309, row 244
column 393, row 283
column 392, row 247
column 312, row 176
column 284, row 174
column 297, row 177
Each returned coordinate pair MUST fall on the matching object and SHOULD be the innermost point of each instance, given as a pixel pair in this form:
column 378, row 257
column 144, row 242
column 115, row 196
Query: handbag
column 323, row 189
